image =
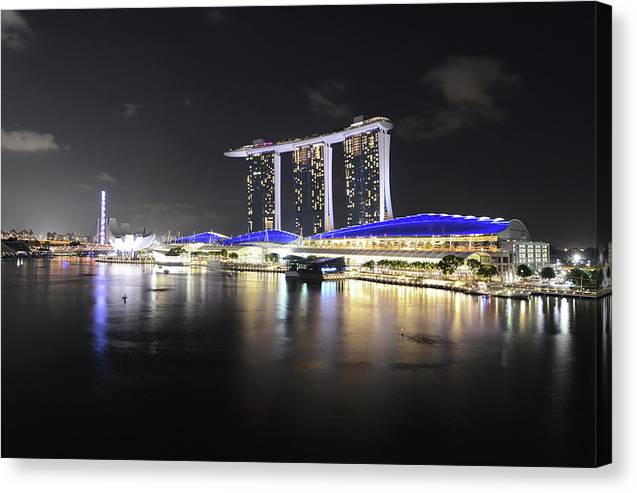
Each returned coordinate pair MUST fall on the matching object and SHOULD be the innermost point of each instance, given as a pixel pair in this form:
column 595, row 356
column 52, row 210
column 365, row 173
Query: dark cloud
column 436, row 124
column 103, row 176
column 468, row 85
column 469, row 81
column 16, row 33
column 28, row 141
column 232, row 202
column 82, row 186
column 328, row 99
column 183, row 217
column 132, row 109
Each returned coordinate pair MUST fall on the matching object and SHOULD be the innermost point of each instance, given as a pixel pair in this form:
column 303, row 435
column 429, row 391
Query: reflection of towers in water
column 312, row 188
column 263, row 191
column 101, row 236
column 367, row 177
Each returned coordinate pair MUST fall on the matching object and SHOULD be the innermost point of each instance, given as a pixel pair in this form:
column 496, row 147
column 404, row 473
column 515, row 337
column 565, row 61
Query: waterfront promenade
column 467, row 286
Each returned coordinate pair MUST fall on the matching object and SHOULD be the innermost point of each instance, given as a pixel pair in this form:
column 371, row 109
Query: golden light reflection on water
column 538, row 308
column 352, row 324
column 290, row 356
column 262, row 328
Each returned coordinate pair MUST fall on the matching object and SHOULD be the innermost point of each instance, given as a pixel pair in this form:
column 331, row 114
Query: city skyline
column 510, row 140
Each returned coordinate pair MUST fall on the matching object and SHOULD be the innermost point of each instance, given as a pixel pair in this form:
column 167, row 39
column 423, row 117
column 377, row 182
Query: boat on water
column 173, row 256
column 316, row 270
column 511, row 294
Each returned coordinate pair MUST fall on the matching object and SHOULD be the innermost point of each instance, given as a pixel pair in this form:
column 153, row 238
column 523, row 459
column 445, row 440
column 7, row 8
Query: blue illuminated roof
column 266, row 236
column 428, row 224
column 208, row 237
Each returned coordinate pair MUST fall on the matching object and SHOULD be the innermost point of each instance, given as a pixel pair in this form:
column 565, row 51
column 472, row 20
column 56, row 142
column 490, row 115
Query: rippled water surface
column 203, row 365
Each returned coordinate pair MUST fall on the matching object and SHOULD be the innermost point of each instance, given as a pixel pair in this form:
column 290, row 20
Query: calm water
column 253, row 367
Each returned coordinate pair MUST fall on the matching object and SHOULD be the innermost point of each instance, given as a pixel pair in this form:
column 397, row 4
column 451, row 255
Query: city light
column 102, row 220
column 427, row 224
column 265, row 236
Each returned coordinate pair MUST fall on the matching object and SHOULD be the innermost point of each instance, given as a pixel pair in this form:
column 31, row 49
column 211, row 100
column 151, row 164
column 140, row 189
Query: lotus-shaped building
column 127, row 241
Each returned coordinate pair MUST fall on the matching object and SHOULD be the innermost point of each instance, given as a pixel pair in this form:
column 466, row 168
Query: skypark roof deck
column 333, row 137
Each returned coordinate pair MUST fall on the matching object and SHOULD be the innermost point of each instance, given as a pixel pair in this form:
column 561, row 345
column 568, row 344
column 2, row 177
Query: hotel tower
column 263, row 185
column 312, row 188
column 366, row 152
column 367, row 176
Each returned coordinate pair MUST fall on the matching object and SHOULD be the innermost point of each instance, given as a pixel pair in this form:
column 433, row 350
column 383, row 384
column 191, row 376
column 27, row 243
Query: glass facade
column 309, row 189
column 362, row 177
column 261, row 191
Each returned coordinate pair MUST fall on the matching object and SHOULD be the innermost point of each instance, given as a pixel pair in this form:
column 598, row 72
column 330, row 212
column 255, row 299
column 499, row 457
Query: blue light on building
column 265, row 236
column 428, row 224
column 207, row 237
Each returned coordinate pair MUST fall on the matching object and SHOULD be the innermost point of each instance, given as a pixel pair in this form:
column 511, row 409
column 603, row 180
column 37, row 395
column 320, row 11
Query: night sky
column 493, row 107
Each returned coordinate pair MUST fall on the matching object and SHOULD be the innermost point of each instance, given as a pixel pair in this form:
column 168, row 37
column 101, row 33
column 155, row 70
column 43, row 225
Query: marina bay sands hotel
column 366, row 153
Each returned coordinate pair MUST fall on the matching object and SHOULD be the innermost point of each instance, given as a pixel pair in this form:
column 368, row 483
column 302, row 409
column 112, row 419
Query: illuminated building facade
column 127, row 241
column 423, row 237
column 424, row 232
column 312, row 189
column 367, row 177
column 265, row 236
column 209, row 237
column 366, row 143
column 427, row 237
column 534, row 254
column 264, row 191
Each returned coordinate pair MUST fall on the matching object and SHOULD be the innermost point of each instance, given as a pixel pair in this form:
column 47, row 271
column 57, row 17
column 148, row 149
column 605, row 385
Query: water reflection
column 100, row 311
column 333, row 323
column 291, row 361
